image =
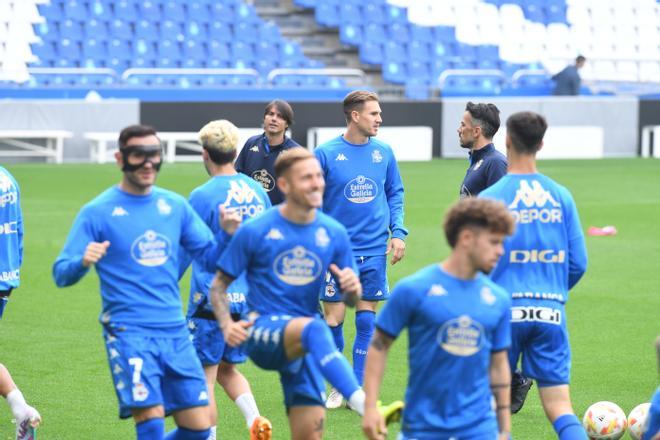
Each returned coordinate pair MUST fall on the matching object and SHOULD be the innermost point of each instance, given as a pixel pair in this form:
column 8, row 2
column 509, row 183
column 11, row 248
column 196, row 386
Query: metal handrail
column 187, row 71
column 72, row 71
column 468, row 72
column 527, row 72
column 317, row 72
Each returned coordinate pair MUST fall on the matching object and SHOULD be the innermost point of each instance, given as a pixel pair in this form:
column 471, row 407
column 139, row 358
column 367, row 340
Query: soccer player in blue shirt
column 132, row 234
column 458, row 334
column 286, row 252
column 11, row 258
column 543, row 260
column 230, row 197
column 478, row 125
column 257, row 158
column 364, row 192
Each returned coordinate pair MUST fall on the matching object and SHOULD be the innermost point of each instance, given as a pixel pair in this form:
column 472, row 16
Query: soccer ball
column 605, row 421
column 636, row 420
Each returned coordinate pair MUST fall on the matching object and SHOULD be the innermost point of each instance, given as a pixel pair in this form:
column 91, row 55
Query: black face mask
column 148, row 153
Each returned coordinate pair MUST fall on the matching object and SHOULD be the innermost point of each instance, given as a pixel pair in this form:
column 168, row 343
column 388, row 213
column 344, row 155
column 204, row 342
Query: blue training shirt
column 235, row 193
column 285, row 261
column 487, row 166
column 257, row 160
column 364, row 192
column 139, row 273
column 11, row 231
column 454, row 326
column 546, row 256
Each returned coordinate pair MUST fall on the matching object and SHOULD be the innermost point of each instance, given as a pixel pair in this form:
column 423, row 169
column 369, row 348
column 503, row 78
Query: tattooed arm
column 500, row 385
column 235, row 333
column 373, row 424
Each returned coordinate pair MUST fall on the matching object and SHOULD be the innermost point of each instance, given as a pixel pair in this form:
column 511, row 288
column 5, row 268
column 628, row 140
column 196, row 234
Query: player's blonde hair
column 220, row 139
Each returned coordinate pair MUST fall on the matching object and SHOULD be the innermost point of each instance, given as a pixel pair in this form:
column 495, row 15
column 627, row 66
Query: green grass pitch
column 51, row 340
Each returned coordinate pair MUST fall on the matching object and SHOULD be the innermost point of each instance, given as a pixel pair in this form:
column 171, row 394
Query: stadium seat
column 221, row 31
column 221, row 11
column 371, row 53
column 218, row 50
column 125, row 11
column 169, row 49
column 198, row 11
column 71, row 30
column 419, row 51
column 350, row 13
column 75, row 10
column 94, row 28
column 173, row 10
column 146, row 30
column 327, row 14
column 352, row 34
column 150, row 11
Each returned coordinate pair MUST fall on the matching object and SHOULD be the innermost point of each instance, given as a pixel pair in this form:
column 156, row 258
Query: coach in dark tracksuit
column 257, row 158
column 479, row 124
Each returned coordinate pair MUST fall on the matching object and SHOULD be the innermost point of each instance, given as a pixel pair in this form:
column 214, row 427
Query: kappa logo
column 379, row 293
column 533, row 196
column 436, row 290
column 376, row 157
column 487, row 296
column 117, row 369
column 254, row 148
column 274, row 234
column 203, row 395
column 120, row 386
column 119, row 212
column 244, row 200
column 164, row 208
column 322, row 239
column 478, row 165
column 341, row 156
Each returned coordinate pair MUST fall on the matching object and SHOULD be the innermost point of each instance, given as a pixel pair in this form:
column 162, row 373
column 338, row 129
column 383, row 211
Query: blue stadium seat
column 170, row 30
column 71, row 30
column 419, row 51
column 146, row 30
column 218, row 50
column 96, row 29
column 352, row 34
column 417, row 88
column 374, row 13
column 243, row 51
column 264, row 66
column 126, row 11
column 246, row 32
column 196, row 31
column 488, row 52
column 399, row 32
column 45, row 51
column 75, row 10
column 120, row 30
column 119, row 49
column 438, row 66
column 169, row 49
column 444, row 33
column 395, row 52
column 396, row 15
column 173, row 10
column 69, row 50
column 246, row 13
column 376, row 33
column 350, row 14
column 46, row 32
column 100, row 11
column 198, row 11
column 305, row 3
column 150, row 11
column 555, row 13
column 267, row 51
column 221, row 31
column 466, row 51
column 371, row 53
column 327, row 14
column 270, row 32
column 419, row 69
column 194, row 50
column 291, row 49
column 422, row 34
column 534, row 12
column 395, row 72
column 144, row 49
column 52, row 11
column 441, row 49
column 221, row 11
column 93, row 49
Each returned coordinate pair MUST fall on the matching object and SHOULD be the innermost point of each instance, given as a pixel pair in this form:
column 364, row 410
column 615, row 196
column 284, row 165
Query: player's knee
column 365, row 322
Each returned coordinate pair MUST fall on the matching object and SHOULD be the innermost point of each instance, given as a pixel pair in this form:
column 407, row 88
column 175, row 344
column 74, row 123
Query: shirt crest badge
column 376, row 157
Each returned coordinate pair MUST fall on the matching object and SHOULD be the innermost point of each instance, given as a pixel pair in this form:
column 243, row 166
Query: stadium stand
column 459, row 47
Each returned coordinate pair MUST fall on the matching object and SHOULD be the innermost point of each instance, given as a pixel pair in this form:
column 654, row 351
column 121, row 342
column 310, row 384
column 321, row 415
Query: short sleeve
column 235, row 258
column 398, row 310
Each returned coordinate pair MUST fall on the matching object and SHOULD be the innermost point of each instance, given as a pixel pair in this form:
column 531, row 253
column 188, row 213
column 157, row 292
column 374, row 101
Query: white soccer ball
column 605, row 421
column 636, row 420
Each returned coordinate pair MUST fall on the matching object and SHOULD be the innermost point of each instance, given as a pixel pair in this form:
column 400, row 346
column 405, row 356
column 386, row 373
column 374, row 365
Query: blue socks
column 338, row 336
column 568, row 427
column 364, row 326
column 317, row 340
column 152, row 429
column 187, row 434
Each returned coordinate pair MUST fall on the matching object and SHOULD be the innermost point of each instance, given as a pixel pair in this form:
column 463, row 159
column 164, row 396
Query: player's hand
column 229, row 220
column 373, row 424
column 348, row 282
column 235, row 333
column 504, row 436
column 398, row 249
column 94, row 252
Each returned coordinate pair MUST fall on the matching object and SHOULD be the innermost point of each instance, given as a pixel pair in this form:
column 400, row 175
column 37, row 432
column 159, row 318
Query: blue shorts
column 210, row 344
column 539, row 334
column 149, row 371
column 373, row 276
column 485, row 429
column 302, row 382
column 3, row 304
